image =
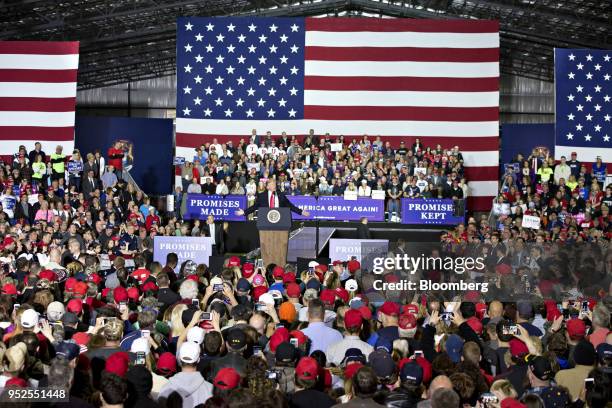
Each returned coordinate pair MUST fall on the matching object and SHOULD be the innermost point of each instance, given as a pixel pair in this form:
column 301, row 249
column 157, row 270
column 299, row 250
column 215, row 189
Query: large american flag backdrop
column 583, row 108
column 38, row 81
column 398, row 78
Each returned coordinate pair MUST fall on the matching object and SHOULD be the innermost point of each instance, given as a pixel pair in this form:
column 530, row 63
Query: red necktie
column 272, row 200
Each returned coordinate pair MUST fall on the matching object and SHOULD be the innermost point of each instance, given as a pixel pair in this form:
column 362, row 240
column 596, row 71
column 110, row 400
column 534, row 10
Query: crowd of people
column 326, row 165
column 85, row 308
column 570, row 197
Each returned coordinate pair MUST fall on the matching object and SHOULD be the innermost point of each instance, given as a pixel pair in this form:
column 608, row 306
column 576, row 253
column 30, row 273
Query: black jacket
column 219, row 236
column 262, row 201
column 363, row 231
column 401, row 398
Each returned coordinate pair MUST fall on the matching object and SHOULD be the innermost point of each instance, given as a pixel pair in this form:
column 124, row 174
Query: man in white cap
column 189, row 383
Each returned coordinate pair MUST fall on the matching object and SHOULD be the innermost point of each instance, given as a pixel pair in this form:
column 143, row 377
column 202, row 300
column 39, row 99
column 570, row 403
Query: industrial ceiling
column 129, row 40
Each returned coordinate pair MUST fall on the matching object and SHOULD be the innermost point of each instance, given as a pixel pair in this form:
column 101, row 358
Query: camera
column 140, row 358
column 272, row 375
column 206, row 316
column 589, row 383
column 195, row 302
column 294, row 342
column 446, row 316
column 511, row 329
column 488, row 398
column 218, row 287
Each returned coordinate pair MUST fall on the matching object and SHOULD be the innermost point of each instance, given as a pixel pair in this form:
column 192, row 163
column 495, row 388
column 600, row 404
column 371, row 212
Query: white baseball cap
column 351, row 285
column 313, row 264
column 266, row 298
column 189, row 352
column 196, row 335
column 55, row 311
column 141, row 344
column 29, row 318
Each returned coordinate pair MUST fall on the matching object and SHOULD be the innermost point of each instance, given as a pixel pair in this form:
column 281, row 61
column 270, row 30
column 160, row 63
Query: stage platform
column 243, row 237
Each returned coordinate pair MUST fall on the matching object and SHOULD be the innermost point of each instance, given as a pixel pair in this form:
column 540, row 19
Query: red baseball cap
column 48, row 275
column 75, row 306
column 289, row 277
column 166, row 363
column 278, row 272
column 576, row 328
column 342, row 294
column 281, row 335
column 407, row 321
column 365, row 311
column 307, row 369
column 352, row 319
column 389, row 308
column 9, row 289
column 481, row 308
column 427, row 368
column 293, row 290
column 503, row 269
column 69, row 286
column 227, row 379
column 133, row 293
column 475, row 324
column 81, row 338
column 120, row 294
column 149, row 286
column 248, row 269
column 16, row 382
column 94, row 277
column 80, row 288
column 258, row 291
column 299, row 335
column 321, row 268
column 117, row 363
column 327, row 296
column 353, row 266
column 410, row 308
column 233, row 261
column 517, row 347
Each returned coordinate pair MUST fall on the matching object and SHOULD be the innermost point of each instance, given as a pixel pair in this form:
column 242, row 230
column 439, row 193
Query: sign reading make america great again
column 339, row 209
column 200, row 206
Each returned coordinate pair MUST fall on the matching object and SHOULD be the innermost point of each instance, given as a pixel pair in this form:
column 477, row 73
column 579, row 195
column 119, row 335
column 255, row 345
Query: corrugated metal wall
column 522, row 100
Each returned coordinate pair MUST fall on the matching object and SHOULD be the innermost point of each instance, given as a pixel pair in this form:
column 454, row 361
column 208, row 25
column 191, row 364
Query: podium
column 274, row 225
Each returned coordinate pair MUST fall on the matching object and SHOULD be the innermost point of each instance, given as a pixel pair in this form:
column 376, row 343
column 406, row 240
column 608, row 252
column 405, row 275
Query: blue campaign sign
column 337, row 208
column 200, row 206
column 74, row 166
column 431, row 211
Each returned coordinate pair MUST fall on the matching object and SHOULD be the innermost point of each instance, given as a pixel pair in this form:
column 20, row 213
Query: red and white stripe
column 400, row 79
column 38, row 81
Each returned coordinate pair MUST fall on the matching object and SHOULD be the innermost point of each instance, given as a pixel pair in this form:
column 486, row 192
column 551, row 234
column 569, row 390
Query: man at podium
column 272, row 199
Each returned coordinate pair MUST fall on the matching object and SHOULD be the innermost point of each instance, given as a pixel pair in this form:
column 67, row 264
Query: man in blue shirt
column 320, row 335
column 387, row 315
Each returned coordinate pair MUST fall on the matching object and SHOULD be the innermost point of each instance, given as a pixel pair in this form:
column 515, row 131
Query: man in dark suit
column 272, row 199
column 89, row 184
column 215, row 231
column 363, row 231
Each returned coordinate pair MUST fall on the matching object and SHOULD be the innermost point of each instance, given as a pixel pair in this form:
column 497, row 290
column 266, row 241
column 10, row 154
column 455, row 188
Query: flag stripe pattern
column 583, row 104
column 401, row 79
column 38, row 81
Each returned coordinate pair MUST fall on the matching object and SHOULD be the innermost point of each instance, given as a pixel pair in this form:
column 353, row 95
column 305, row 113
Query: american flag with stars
column 400, row 79
column 583, row 93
